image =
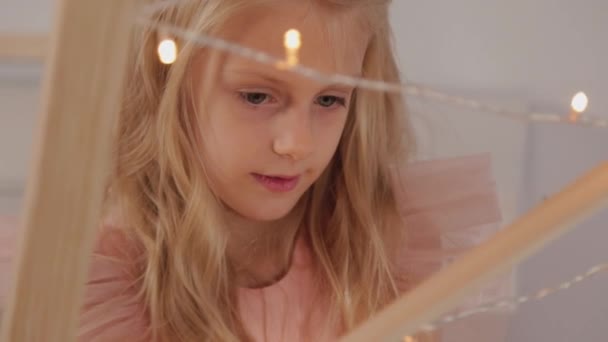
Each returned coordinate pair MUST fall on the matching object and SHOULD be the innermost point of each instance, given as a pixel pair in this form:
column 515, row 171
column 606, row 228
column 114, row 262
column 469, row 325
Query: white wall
column 540, row 51
column 558, row 155
column 536, row 55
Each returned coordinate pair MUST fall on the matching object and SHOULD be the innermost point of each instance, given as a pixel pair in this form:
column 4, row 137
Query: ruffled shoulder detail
column 111, row 308
column 448, row 207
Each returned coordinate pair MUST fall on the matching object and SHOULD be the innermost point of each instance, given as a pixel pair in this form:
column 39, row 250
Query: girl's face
column 268, row 134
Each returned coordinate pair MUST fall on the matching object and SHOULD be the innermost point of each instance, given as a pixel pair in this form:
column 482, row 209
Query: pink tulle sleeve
column 111, row 311
column 449, row 206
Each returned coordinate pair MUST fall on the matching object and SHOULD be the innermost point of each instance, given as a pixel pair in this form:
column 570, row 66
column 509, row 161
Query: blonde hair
column 185, row 280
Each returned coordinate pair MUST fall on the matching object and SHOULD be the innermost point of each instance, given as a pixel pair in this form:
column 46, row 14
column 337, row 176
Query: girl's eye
column 254, row 98
column 329, row 100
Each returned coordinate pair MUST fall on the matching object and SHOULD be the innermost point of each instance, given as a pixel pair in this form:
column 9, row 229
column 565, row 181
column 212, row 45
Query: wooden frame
column 82, row 91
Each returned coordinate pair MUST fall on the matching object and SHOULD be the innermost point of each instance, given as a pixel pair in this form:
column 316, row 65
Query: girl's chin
column 261, row 211
column 267, row 214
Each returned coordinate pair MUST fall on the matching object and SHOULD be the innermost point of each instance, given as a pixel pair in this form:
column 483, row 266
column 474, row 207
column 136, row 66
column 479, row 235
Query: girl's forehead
column 331, row 43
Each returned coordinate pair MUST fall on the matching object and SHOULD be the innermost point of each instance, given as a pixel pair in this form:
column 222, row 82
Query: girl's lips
column 277, row 183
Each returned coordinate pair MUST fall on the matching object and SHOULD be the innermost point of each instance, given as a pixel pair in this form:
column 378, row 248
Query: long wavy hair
column 185, row 278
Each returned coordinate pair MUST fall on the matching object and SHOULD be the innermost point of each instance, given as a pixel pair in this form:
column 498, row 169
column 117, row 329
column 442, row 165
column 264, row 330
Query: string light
column 292, row 42
column 410, row 90
column 579, row 105
column 167, row 51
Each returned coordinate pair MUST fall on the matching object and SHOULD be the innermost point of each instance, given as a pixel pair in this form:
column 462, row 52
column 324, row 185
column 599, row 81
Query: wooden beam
column 442, row 292
column 82, row 88
column 21, row 46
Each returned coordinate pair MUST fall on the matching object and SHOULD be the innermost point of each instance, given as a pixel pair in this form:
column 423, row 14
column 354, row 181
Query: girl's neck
column 261, row 252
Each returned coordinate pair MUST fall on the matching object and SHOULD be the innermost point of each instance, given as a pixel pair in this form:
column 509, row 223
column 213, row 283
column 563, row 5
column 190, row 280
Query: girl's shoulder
column 112, row 309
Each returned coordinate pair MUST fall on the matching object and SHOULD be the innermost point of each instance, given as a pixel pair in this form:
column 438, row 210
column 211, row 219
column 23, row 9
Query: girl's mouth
column 277, row 183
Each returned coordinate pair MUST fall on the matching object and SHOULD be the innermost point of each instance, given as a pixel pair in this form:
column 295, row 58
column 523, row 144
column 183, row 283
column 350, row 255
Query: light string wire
column 413, row 90
column 514, row 303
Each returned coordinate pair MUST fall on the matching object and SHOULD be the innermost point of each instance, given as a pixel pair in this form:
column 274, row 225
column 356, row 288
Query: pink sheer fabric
column 449, row 206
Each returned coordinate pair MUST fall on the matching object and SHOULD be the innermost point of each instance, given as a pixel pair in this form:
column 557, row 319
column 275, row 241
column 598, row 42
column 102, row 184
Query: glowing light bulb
column 580, row 102
column 293, row 39
column 578, row 106
column 167, row 51
column 292, row 43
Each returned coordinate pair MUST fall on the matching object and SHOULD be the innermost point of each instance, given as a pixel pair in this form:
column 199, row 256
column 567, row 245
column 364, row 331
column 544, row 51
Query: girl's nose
column 294, row 138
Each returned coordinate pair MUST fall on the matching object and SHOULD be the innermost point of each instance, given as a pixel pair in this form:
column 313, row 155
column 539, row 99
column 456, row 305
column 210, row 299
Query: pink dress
column 453, row 199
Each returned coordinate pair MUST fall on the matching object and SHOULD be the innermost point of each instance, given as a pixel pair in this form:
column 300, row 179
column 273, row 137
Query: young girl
column 251, row 203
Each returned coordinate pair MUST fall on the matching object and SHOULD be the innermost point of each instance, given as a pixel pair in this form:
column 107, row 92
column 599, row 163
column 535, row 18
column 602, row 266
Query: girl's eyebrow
column 337, row 86
column 258, row 74
column 340, row 87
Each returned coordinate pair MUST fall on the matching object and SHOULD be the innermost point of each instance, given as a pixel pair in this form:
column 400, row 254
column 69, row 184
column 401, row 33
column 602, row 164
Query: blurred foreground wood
column 82, row 89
